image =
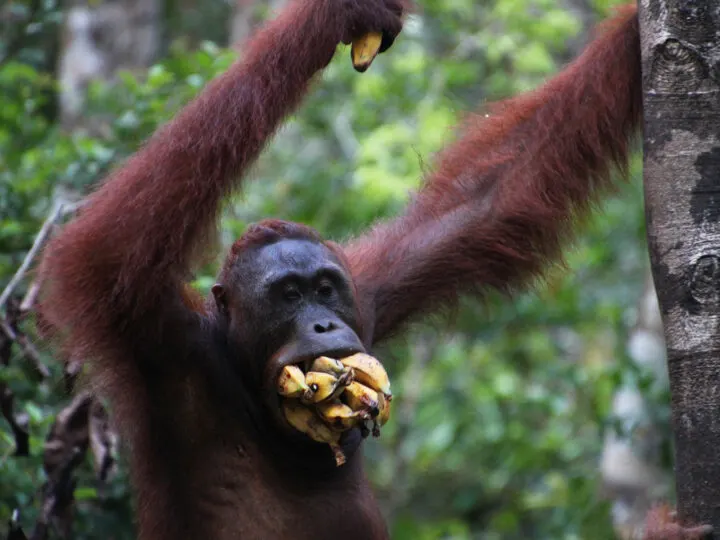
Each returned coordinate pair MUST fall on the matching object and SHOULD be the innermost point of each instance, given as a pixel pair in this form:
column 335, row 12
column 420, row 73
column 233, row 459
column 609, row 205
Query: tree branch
column 56, row 212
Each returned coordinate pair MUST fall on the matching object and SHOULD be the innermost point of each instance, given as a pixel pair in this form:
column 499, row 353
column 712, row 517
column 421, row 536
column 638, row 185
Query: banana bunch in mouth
column 333, row 396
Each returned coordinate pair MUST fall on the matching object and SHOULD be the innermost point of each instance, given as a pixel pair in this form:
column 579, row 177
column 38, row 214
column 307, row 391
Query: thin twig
column 30, row 297
column 28, row 349
column 72, row 207
column 33, row 355
column 15, row 531
column 40, row 238
column 18, row 424
column 8, row 330
column 60, row 209
column 58, row 494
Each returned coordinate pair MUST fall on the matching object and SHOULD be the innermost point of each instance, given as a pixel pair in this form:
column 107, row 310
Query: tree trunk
column 681, row 55
column 98, row 40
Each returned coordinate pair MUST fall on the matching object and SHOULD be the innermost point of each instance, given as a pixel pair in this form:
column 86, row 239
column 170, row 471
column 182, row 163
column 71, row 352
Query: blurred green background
column 500, row 413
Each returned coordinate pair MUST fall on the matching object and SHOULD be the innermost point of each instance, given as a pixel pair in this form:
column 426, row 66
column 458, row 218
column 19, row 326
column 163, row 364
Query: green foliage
column 28, row 29
column 499, row 412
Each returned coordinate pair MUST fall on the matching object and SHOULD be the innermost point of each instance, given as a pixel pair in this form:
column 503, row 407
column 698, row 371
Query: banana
column 339, row 416
column 384, row 406
column 362, row 398
column 291, row 382
column 364, row 50
column 370, row 372
column 306, row 421
column 322, row 385
column 383, row 417
column 324, row 364
column 325, row 386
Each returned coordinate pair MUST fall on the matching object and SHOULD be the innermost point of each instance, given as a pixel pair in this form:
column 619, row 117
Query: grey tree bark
column 681, row 84
column 98, row 40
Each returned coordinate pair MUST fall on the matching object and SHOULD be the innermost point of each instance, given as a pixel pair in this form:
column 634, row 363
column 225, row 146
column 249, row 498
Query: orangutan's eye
column 325, row 290
column 291, row 293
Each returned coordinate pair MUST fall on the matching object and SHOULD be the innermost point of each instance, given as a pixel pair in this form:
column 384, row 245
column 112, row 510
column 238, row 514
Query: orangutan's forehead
column 291, row 255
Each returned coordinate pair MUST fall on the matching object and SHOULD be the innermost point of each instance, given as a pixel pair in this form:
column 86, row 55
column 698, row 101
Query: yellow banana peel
column 364, row 50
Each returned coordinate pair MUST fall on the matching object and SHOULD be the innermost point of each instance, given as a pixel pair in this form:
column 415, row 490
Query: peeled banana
column 364, row 50
column 370, row 372
column 306, row 421
column 292, row 384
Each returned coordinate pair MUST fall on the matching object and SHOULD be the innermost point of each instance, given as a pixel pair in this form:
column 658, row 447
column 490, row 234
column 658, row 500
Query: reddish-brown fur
column 493, row 214
column 502, row 199
column 661, row 524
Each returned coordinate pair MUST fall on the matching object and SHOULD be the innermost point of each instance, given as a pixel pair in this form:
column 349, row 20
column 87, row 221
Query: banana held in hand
column 306, row 421
column 370, row 372
column 340, row 416
column 364, row 50
column 291, row 383
column 362, row 398
column 324, row 385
